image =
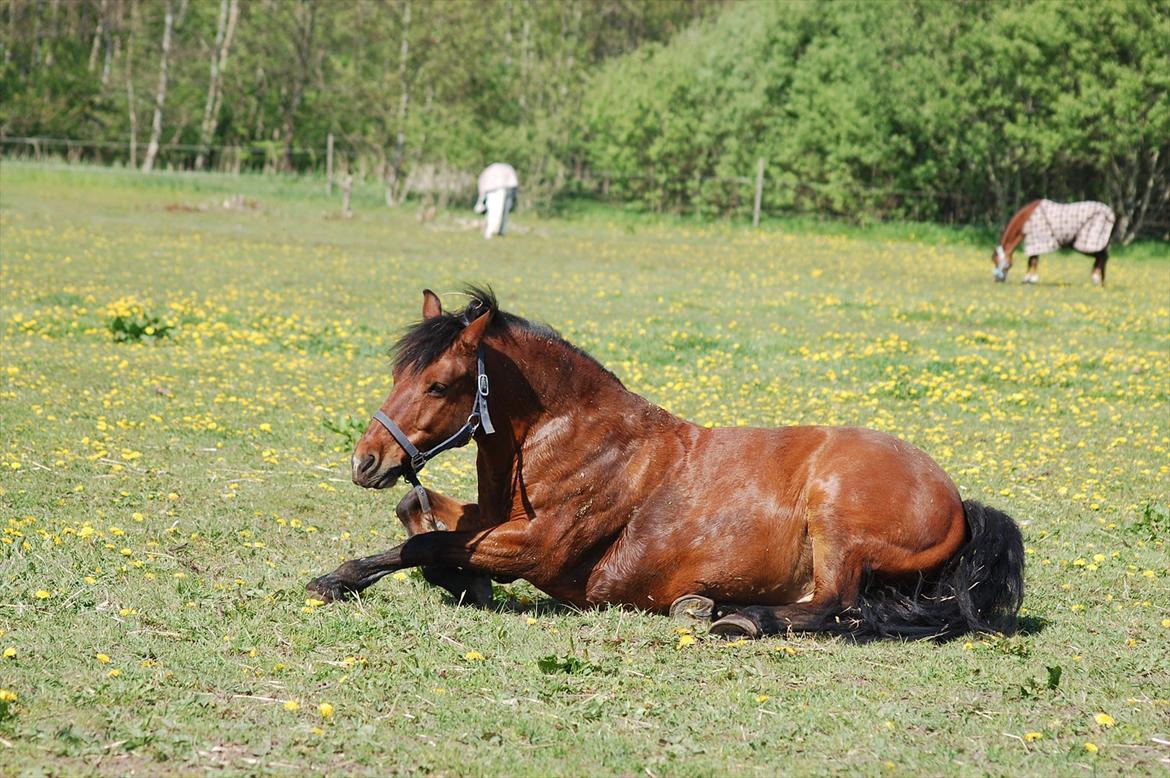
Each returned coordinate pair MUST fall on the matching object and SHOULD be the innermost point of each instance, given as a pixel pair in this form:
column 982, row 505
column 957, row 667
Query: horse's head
column 434, row 395
column 1003, row 263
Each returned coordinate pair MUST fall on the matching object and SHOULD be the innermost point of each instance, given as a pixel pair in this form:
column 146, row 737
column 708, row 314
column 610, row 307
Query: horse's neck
column 1013, row 233
column 559, row 399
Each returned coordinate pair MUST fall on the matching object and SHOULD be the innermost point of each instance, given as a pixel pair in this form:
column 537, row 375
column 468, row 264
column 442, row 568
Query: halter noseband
column 477, row 420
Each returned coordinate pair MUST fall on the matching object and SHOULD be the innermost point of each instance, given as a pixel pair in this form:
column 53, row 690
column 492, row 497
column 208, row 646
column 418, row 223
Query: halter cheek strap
column 478, row 419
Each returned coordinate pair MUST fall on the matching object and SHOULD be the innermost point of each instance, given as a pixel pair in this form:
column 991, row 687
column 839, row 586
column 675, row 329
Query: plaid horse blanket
column 1085, row 226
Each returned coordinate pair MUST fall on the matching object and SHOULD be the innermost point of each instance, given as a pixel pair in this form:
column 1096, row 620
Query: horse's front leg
column 449, row 514
column 1033, row 274
column 503, row 551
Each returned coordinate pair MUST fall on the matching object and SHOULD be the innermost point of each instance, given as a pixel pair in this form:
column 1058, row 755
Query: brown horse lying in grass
column 597, row 496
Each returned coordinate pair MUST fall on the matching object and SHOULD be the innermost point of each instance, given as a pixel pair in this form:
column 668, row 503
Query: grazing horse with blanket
column 1044, row 226
column 599, row 497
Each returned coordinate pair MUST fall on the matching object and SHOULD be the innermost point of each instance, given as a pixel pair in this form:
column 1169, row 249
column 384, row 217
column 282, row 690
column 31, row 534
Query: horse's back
column 749, row 515
column 854, row 482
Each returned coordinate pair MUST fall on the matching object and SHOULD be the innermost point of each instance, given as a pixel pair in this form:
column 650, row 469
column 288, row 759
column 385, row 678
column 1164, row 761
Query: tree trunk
column 306, row 25
column 394, row 177
column 1133, row 185
column 130, row 85
column 98, row 35
column 229, row 14
column 160, row 96
column 525, row 63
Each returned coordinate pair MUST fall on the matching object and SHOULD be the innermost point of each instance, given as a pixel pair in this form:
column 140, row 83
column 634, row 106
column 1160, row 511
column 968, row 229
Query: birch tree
column 160, row 95
column 394, row 177
column 229, row 14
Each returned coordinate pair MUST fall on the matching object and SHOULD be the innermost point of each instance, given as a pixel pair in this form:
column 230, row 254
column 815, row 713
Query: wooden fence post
column 329, row 166
column 346, row 189
column 759, row 192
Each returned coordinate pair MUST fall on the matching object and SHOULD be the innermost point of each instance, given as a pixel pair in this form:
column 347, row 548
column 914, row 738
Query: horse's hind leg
column 758, row 620
column 1101, row 257
column 836, row 585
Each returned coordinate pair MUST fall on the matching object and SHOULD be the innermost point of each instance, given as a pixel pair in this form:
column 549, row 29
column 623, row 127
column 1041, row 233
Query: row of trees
column 402, row 84
column 947, row 111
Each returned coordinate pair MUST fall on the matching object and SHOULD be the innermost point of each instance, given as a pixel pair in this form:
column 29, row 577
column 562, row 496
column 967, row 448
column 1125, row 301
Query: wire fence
column 739, row 197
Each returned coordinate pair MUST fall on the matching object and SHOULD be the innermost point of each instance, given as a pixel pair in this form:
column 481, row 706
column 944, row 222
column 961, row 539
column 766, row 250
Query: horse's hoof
column 734, row 626
column 324, row 589
column 692, row 607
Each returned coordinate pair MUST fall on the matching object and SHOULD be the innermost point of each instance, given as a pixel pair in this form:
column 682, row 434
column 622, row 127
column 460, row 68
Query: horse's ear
column 473, row 333
column 431, row 305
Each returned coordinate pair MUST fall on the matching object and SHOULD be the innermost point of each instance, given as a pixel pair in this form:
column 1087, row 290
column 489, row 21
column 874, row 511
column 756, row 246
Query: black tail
column 979, row 590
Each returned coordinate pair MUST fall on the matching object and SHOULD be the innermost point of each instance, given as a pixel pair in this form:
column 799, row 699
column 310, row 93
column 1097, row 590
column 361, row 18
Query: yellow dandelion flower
column 1032, row 737
column 1104, row 719
column 400, row 575
column 1091, row 748
column 114, row 673
column 292, row 705
column 10, row 653
column 103, row 658
column 43, row 594
column 530, row 621
column 325, row 709
column 314, row 603
column 473, row 656
column 7, row 696
column 762, row 698
column 684, row 641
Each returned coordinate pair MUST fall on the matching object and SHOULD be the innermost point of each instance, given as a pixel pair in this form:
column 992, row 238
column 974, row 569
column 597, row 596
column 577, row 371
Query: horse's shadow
column 1031, row 625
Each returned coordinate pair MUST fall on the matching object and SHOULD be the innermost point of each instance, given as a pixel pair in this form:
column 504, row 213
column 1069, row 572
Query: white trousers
column 497, row 202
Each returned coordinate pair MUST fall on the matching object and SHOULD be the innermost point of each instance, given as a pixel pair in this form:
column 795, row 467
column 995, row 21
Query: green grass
column 170, row 498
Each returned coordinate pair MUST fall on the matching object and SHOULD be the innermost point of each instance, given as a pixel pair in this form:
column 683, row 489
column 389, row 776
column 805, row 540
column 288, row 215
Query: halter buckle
column 483, row 385
column 417, row 461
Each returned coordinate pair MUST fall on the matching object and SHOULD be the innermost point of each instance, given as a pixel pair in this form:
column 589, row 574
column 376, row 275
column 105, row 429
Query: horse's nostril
column 369, row 463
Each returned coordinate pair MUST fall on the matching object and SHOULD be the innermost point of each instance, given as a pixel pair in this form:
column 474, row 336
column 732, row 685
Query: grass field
column 164, row 501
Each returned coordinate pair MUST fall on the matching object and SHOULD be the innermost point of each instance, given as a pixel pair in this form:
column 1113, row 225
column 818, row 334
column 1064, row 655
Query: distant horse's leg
column 1033, row 274
column 357, row 574
column 465, row 587
column 1099, row 267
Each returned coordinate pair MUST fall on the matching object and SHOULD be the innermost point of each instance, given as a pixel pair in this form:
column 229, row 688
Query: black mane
column 424, row 342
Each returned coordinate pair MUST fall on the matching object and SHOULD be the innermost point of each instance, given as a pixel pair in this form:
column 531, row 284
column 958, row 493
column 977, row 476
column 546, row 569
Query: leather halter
column 477, row 420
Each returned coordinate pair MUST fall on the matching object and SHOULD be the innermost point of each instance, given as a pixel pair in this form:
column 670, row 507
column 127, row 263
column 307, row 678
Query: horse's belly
column 730, row 556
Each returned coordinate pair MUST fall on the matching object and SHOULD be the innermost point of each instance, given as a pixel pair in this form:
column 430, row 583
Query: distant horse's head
column 435, row 389
column 1003, row 263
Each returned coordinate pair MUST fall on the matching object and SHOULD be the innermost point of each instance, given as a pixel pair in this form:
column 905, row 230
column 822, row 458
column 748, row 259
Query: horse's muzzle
column 367, row 474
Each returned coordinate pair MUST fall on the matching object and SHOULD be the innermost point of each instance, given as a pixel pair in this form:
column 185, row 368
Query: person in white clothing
column 497, row 197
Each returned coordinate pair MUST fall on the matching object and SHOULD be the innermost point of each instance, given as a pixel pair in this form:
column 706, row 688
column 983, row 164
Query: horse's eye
column 437, row 389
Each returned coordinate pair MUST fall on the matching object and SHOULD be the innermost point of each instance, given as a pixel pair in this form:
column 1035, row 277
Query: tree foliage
column 955, row 112
column 916, row 109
